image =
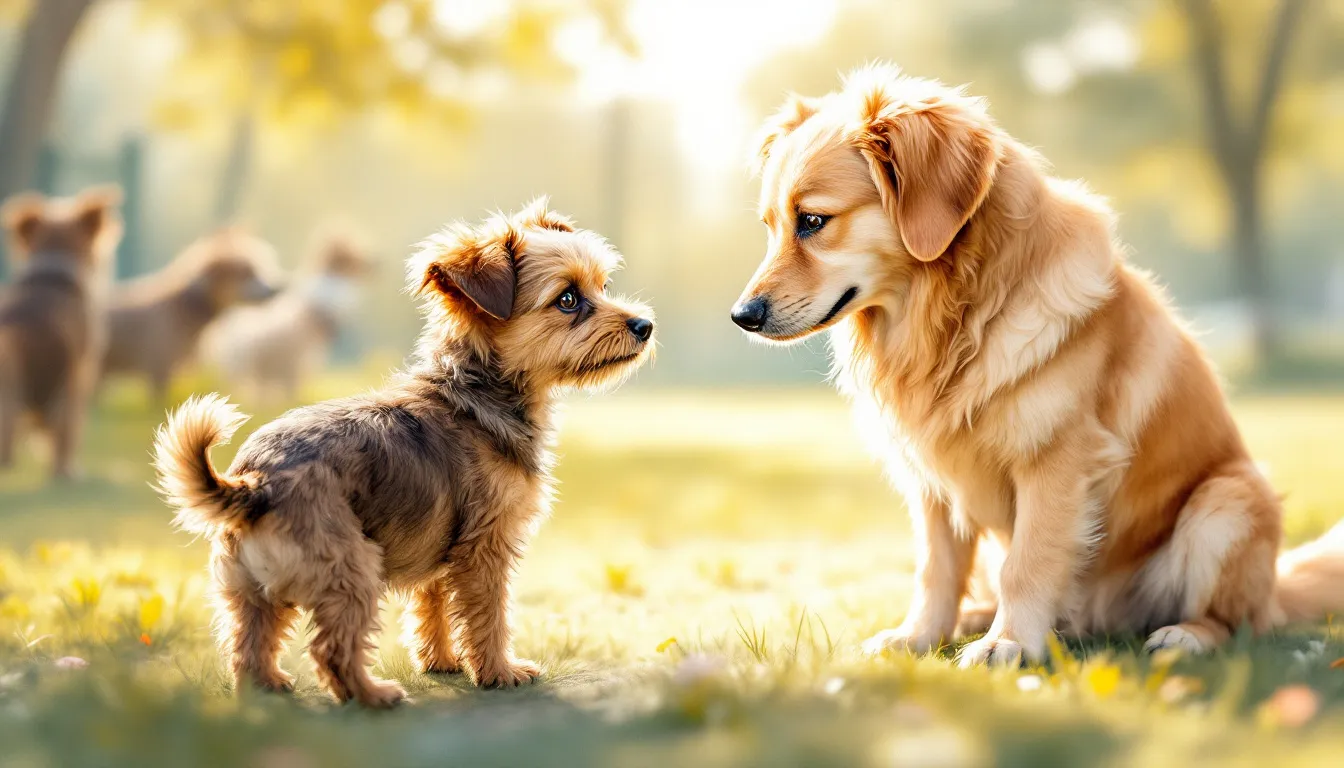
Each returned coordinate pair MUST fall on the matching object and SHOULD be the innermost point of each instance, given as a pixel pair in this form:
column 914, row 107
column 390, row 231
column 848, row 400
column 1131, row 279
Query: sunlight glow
column 696, row 56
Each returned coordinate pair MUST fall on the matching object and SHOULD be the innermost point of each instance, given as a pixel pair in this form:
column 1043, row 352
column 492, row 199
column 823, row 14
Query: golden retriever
column 1023, row 382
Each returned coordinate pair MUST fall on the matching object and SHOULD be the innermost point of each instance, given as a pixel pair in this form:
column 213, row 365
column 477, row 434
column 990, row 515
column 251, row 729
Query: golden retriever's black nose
column 641, row 327
column 750, row 315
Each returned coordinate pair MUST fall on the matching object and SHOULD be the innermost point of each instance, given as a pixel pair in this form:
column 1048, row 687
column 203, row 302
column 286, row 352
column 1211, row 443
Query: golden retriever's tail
column 1310, row 583
column 206, row 501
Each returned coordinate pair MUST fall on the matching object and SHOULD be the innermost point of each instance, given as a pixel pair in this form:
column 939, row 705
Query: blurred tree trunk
column 1238, row 148
column 237, row 165
column 32, row 90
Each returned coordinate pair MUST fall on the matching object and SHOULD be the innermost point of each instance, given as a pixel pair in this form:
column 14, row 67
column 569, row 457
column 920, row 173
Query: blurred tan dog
column 156, row 320
column 430, row 486
column 269, row 348
column 52, row 316
column 1023, row 382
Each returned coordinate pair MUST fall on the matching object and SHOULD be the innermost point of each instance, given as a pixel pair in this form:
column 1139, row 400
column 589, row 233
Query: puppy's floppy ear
column 933, row 166
column 796, row 110
column 22, row 214
column 461, row 263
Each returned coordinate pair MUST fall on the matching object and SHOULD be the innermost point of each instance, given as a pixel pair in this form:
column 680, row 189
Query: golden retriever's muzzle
column 759, row 315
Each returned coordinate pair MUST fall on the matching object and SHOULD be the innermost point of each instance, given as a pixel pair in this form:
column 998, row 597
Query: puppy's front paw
column 510, row 674
column 275, row 681
column 901, row 640
column 991, row 651
column 438, row 662
column 381, row 695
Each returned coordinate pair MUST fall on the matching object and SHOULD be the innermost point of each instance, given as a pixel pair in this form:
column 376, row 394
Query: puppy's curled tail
column 206, row 501
column 1310, row 581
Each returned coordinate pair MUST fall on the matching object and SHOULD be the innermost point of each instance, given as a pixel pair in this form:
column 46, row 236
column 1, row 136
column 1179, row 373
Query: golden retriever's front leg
column 1051, row 534
column 942, row 568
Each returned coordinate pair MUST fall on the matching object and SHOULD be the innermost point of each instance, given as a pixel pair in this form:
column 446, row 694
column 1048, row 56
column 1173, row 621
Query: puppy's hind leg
column 252, row 628
column 345, row 613
column 428, row 633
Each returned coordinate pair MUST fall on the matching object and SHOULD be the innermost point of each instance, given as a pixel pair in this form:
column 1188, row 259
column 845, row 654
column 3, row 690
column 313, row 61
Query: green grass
column 698, row 597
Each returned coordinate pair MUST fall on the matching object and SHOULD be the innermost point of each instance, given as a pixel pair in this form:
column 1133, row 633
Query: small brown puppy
column 51, row 318
column 269, row 348
column 157, row 320
column 430, row 486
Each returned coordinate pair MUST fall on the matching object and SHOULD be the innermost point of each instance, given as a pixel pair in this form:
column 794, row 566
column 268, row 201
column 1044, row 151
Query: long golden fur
column 1026, row 386
column 52, row 317
column 431, row 486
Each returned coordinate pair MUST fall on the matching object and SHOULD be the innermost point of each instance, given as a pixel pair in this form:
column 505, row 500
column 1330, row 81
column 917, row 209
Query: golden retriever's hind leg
column 1198, row 636
column 976, row 618
column 428, row 633
column 252, row 628
column 346, row 617
column 1222, row 556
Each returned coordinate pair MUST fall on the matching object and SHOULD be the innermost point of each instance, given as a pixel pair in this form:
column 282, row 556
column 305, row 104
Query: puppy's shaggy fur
column 1024, row 383
column 269, row 348
column 52, row 316
column 156, row 321
column 431, row 486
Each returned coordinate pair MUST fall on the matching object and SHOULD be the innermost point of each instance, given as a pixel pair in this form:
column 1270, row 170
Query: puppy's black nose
column 641, row 327
column 750, row 315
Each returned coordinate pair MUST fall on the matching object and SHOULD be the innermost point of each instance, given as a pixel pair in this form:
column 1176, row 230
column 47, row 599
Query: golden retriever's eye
column 811, row 223
column 568, row 301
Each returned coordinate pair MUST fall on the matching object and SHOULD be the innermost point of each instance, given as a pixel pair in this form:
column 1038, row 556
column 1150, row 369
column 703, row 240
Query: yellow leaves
column 11, row 607
column 151, row 610
column 86, row 593
column 295, row 60
column 620, row 580
column 1103, row 679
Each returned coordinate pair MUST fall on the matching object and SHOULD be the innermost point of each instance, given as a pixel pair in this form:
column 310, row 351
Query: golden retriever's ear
column 796, row 110
column 21, row 216
column 933, row 168
column 461, row 265
column 538, row 214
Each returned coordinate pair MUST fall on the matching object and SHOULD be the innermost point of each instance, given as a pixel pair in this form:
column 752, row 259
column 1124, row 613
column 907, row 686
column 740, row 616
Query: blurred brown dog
column 52, row 316
column 156, row 321
column 431, row 486
column 267, row 349
column 1026, row 385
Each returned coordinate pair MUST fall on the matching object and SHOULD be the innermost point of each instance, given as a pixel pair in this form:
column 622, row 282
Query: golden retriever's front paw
column 510, row 674
column 901, row 640
column 991, row 651
column 1175, row 636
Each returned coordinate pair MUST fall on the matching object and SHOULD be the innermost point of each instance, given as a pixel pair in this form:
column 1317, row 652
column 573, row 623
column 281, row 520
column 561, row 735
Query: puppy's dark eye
column 568, row 301
column 811, row 223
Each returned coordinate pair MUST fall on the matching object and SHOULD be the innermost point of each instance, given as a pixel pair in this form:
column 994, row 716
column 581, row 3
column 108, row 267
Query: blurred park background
column 1212, row 125
column 718, row 550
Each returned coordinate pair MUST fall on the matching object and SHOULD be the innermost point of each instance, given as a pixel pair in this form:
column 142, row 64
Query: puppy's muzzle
column 750, row 315
column 641, row 328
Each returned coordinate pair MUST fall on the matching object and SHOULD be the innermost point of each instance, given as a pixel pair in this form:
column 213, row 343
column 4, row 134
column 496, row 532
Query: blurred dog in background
column 268, row 349
column 52, row 317
column 156, row 321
